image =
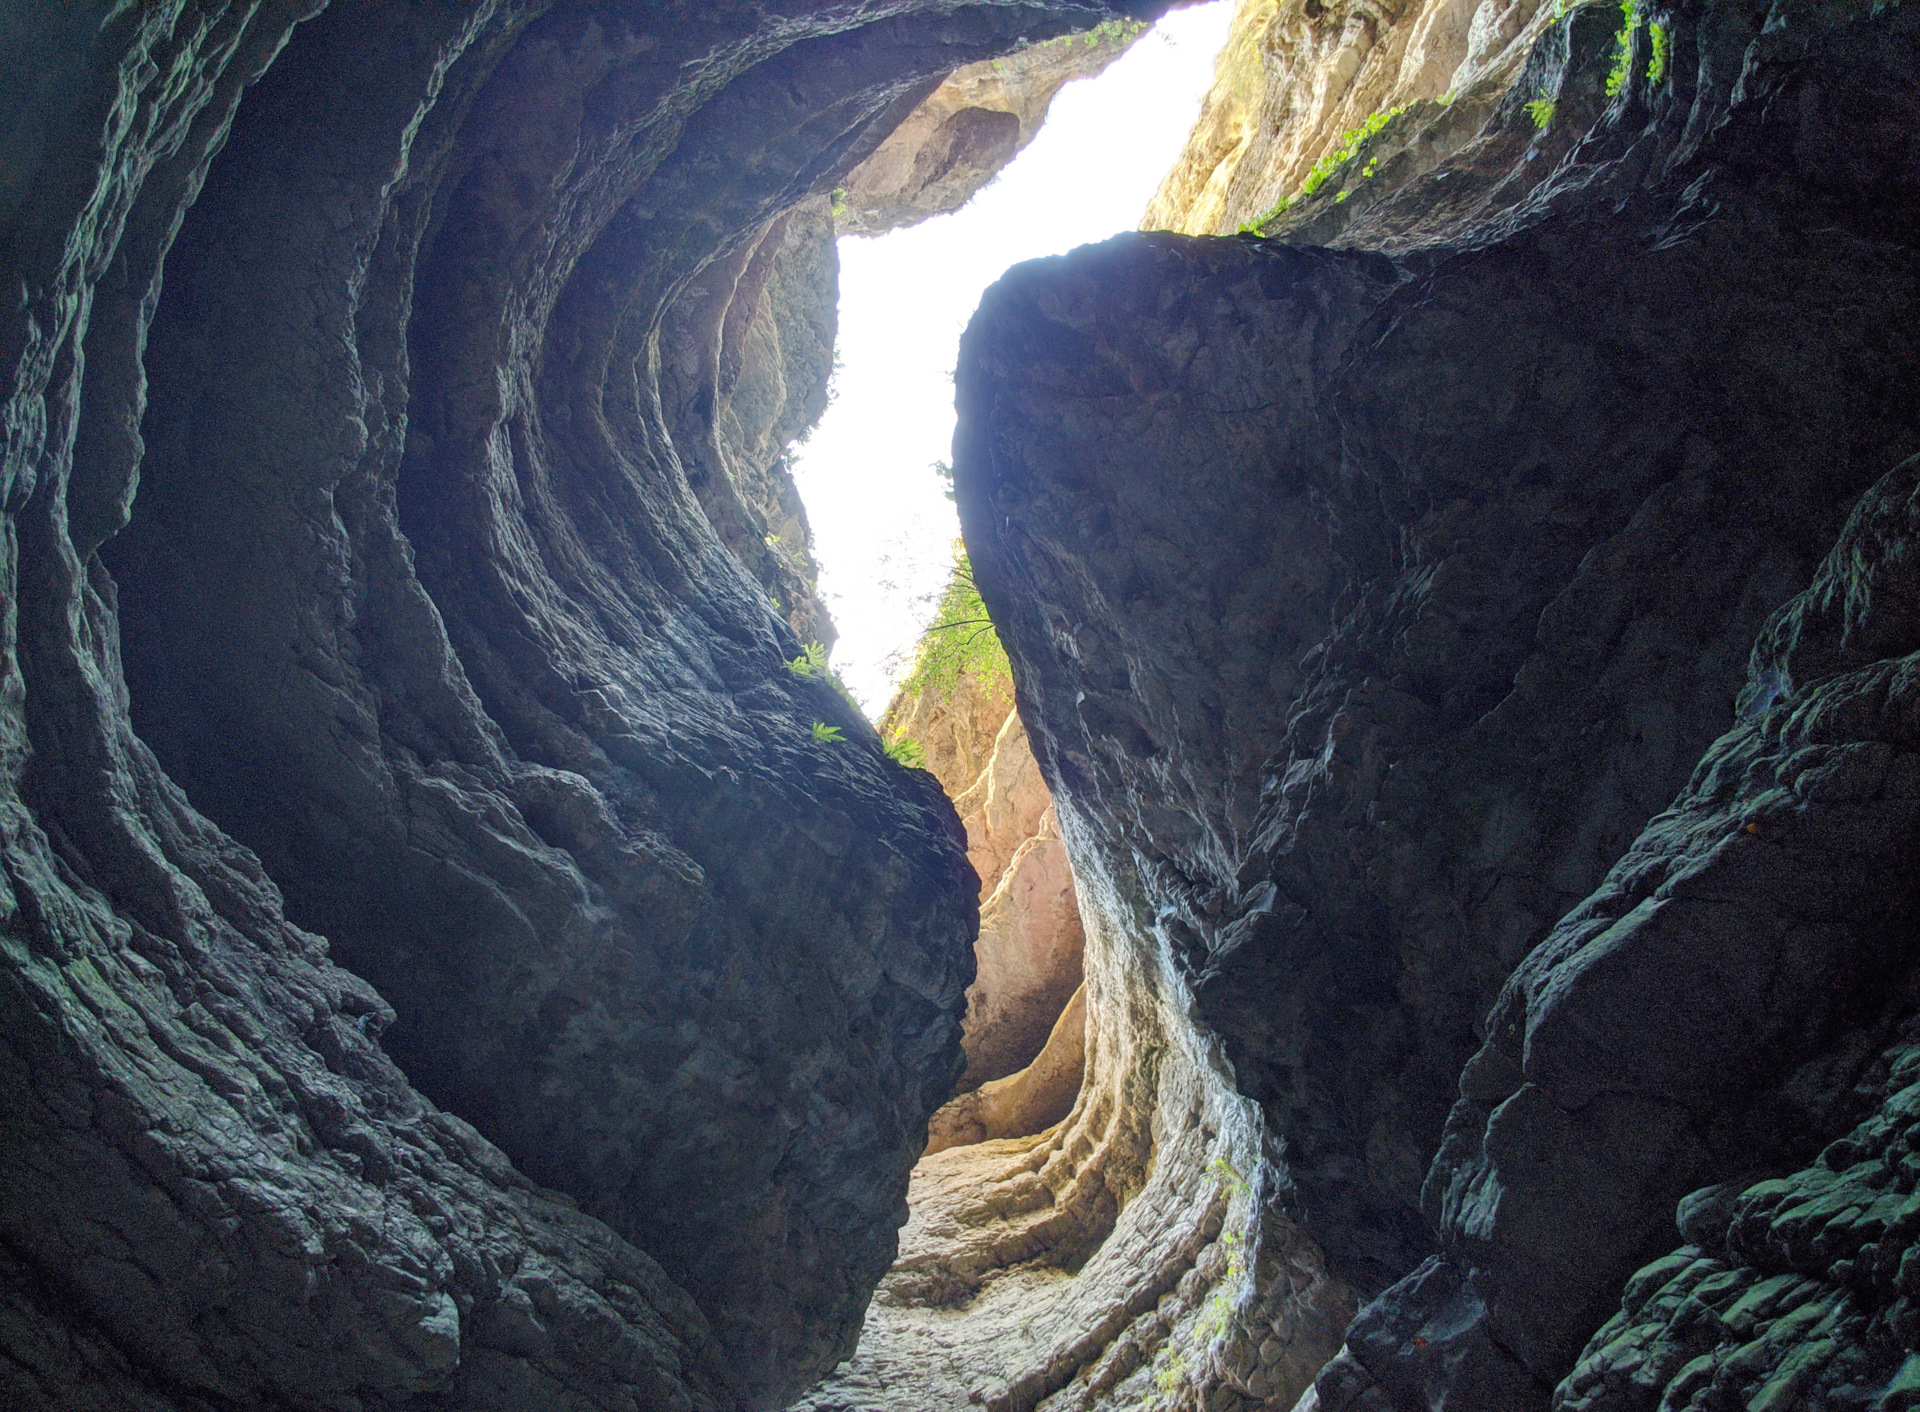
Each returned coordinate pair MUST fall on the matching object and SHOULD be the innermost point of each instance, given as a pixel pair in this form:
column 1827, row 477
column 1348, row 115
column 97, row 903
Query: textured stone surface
column 419, row 601
column 1365, row 609
column 1028, row 958
column 1030, row 1100
column 1297, row 75
column 967, row 130
column 746, row 360
column 1781, row 882
column 1797, row 1291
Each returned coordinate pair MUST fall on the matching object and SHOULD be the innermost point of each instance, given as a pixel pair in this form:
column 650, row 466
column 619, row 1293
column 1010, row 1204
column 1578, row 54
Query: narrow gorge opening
column 461, row 947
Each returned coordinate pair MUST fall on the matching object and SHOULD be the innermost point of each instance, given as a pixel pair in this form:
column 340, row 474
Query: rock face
column 745, row 366
column 1297, row 76
column 968, row 128
column 1365, row 608
column 422, row 370
column 1028, row 956
column 1798, row 1290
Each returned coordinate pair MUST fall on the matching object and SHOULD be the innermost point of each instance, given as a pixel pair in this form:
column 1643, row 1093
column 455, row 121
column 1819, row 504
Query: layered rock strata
column 1298, row 77
column 368, row 338
column 1364, row 608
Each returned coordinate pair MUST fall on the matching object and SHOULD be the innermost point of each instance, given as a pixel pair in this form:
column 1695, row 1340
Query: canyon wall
column 454, row 959
column 1384, row 618
column 1299, row 79
column 392, row 547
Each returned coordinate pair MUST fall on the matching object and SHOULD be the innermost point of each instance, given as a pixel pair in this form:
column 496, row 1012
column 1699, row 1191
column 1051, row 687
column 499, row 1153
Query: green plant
column 810, row 664
column 1662, row 46
column 826, row 734
column 960, row 641
column 1623, row 47
column 1349, row 144
column 1223, row 1172
column 839, row 206
column 1541, row 110
column 945, row 472
column 905, row 750
column 1106, row 32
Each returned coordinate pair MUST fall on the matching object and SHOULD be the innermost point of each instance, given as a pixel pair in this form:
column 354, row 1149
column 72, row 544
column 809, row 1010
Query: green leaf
column 809, row 664
column 826, row 734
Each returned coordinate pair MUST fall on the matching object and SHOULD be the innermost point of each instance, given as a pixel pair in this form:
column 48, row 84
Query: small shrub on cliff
column 1541, row 110
column 1623, row 47
column 1350, row 143
column 826, row 734
column 810, row 664
column 959, row 642
column 905, row 750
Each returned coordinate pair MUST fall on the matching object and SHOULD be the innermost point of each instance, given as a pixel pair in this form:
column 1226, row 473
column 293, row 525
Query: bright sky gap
column 883, row 527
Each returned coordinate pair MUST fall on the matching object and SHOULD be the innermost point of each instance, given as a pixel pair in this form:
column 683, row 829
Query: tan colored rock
column 1029, row 952
column 969, row 128
column 1297, row 75
column 1028, row 955
column 956, row 729
column 1002, row 808
column 1030, row 1101
column 1102, row 1264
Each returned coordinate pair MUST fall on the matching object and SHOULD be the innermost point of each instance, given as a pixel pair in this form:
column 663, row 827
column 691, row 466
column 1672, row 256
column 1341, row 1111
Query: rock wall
column 968, row 129
column 395, row 355
column 1298, row 77
column 1367, row 605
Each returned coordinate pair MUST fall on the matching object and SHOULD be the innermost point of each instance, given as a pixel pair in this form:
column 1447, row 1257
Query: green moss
column 1623, row 47
column 1662, row 45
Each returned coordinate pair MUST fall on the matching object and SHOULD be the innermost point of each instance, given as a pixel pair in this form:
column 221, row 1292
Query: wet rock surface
column 342, row 327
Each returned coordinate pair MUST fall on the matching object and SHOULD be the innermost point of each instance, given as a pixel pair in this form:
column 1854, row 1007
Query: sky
column 882, row 525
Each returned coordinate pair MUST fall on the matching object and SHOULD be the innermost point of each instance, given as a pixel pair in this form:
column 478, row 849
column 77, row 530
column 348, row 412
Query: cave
column 1457, row 751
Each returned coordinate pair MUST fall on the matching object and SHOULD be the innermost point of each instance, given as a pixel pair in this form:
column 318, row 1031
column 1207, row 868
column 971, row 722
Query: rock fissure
column 1439, row 922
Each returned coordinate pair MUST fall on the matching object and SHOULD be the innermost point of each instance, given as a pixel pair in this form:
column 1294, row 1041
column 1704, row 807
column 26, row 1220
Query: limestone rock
column 964, row 132
column 1364, row 609
column 1030, row 1100
column 746, row 360
column 1297, row 76
column 957, row 730
column 1028, row 959
column 342, row 326
column 1794, row 1292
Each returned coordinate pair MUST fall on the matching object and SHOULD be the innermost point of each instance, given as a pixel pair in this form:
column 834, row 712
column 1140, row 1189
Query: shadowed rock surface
column 1365, row 608
column 394, row 514
column 1786, row 864
column 373, row 341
